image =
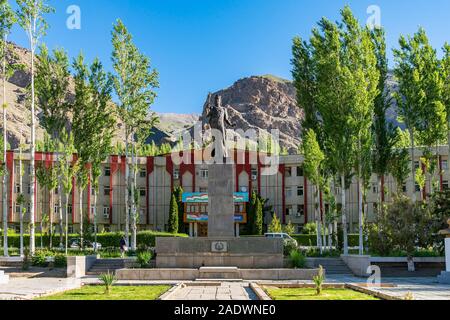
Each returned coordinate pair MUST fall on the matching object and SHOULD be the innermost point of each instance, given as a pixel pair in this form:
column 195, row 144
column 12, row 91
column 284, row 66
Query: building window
column 288, row 192
column 289, row 210
column 300, row 210
column 404, row 188
column 288, row 172
column 203, row 190
column 417, row 187
column 70, row 229
column 176, row 174
column 204, row 173
column 93, row 191
column 107, row 228
column 56, row 208
column 444, row 164
column 337, row 190
column 29, row 169
column 69, row 209
column 56, row 191
column 106, row 191
column 107, row 172
column 92, row 210
column 374, row 188
column 17, row 168
column 17, row 209
column 17, row 188
column 142, row 192
column 254, row 174
column 29, row 188
column 300, row 191
column 142, row 172
column 445, row 184
column 417, row 164
column 106, row 212
column 299, row 172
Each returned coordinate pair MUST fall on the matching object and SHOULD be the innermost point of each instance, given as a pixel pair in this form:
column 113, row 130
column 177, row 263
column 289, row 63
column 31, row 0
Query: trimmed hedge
column 311, row 239
column 146, row 238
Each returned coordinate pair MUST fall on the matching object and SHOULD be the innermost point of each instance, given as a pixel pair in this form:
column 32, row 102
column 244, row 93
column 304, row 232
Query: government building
column 289, row 193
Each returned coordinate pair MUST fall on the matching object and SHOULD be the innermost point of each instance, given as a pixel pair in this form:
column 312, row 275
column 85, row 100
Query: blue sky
column 205, row 45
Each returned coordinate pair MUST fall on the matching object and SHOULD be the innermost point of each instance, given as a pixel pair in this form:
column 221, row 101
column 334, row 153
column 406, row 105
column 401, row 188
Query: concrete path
column 30, row 288
column 226, row 291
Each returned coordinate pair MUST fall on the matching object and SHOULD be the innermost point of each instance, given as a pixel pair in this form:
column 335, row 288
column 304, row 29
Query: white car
column 283, row 236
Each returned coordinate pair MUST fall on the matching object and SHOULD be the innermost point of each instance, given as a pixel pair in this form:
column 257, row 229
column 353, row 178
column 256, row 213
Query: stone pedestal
column 445, row 275
column 4, row 279
column 221, row 187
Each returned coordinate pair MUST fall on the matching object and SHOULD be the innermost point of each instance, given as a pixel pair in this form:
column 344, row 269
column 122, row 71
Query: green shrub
column 310, row 229
column 288, row 246
column 143, row 258
column 39, row 258
column 60, row 261
column 298, row 260
column 108, row 280
column 318, row 280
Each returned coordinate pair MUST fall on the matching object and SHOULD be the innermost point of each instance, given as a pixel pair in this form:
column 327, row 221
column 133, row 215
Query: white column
column 447, row 254
column 191, row 230
column 195, row 230
column 237, row 230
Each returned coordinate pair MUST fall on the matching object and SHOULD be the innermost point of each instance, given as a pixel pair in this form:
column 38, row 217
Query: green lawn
column 117, row 293
column 310, row 294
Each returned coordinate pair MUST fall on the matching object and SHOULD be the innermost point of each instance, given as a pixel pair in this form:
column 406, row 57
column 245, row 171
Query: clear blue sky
column 205, row 45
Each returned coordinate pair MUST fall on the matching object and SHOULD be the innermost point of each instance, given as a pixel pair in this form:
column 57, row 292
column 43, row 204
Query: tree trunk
column 317, row 215
column 360, row 217
column 413, row 167
column 411, row 267
column 80, row 190
column 133, row 200
column 51, row 210
column 5, row 168
column 95, row 220
column 61, row 220
column 344, row 214
column 127, row 200
column 67, row 222
column 33, row 147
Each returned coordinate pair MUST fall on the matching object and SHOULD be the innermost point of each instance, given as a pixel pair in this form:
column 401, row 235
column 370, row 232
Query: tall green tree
column 134, row 82
column 7, row 20
column 445, row 74
column 52, row 90
column 68, row 170
column 258, row 217
column 275, row 225
column 383, row 131
column 399, row 162
column 173, row 215
column 30, row 15
column 412, row 98
column 312, row 166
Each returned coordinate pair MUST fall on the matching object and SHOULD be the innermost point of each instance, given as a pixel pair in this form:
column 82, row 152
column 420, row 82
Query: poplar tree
column 173, row 215
column 7, row 20
column 92, row 122
column 312, row 166
column 383, row 131
column 134, row 84
column 258, row 217
column 30, row 15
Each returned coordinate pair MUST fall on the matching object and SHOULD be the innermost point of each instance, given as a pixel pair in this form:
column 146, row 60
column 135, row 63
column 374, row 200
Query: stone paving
column 226, row 291
column 29, row 288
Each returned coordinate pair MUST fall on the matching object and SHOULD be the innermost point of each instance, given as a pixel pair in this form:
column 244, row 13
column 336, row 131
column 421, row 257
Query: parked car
column 284, row 236
column 75, row 244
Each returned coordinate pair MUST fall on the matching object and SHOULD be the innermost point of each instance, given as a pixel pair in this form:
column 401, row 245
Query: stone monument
column 445, row 275
column 221, row 248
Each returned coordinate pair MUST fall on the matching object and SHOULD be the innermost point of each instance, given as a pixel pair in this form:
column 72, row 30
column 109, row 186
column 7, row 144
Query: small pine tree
column 179, row 195
column 173, row 215
column 275, row 225
column 258, row 218
column 289, row 228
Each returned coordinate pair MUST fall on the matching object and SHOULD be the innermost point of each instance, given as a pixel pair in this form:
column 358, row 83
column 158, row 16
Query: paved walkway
column 226, row 291
column 29, row 288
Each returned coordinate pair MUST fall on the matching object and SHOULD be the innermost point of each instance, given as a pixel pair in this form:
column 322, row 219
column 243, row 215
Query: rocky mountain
column 265, row 103
column 262, row 103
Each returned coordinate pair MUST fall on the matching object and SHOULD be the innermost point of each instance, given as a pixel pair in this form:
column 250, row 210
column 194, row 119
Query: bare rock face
column 265, row 103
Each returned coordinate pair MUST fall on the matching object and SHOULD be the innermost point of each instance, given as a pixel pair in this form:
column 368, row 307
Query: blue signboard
column 201, row 197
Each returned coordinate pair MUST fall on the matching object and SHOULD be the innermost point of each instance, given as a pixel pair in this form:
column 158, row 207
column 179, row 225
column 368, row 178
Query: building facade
column 288, row 191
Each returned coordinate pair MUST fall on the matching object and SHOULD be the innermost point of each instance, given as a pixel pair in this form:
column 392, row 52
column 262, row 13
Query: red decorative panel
column 150, row 168
column 10, row 166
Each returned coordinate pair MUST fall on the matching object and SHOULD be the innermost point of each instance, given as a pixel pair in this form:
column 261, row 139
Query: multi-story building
column 288, row 191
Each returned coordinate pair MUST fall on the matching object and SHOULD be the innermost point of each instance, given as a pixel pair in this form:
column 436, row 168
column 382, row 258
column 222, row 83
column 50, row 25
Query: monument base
column 444, row 277
column 247, row 253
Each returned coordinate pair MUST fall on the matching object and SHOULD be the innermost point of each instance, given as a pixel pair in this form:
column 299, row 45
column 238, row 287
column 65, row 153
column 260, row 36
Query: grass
column 117, row 293
column 310, row 294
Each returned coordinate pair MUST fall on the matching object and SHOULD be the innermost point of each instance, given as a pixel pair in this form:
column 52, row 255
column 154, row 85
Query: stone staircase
column 104, row 265
column 229, row 274
column 332, row 266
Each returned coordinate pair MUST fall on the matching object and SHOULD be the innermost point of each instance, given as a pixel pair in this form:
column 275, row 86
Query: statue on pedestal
column 216, row 116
